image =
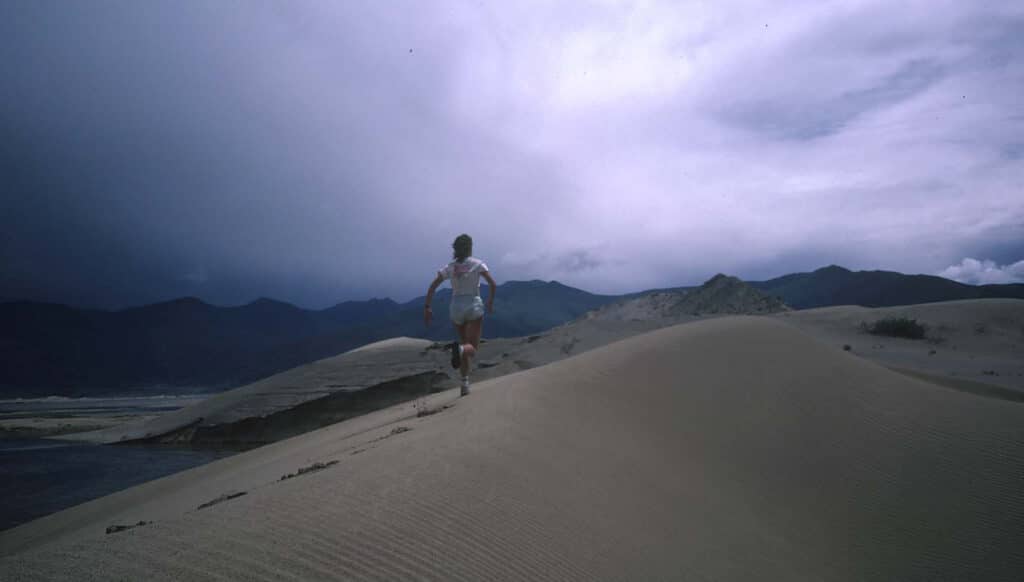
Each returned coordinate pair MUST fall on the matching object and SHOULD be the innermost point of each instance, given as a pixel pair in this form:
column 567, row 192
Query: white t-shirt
column 465, row 276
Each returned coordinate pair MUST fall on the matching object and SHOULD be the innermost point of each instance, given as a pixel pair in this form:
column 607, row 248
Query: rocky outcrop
column 729, row 295
column 719, row 295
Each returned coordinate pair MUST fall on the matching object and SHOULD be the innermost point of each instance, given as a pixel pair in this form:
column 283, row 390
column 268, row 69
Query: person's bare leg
column 474, row 329
column 471, row 341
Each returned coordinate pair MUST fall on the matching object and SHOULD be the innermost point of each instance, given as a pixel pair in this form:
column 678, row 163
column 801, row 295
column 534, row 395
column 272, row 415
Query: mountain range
column 834, row 285
column 185, row 343
column 51, row 349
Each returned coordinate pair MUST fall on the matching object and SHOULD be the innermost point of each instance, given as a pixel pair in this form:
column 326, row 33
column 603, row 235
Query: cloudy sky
column 321, row 151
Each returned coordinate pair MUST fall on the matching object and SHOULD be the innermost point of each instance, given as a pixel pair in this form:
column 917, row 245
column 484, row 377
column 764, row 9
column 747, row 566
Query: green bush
column 897, row 327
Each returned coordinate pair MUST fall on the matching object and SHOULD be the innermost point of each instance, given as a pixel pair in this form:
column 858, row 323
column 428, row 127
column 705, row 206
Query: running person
column 467, row 309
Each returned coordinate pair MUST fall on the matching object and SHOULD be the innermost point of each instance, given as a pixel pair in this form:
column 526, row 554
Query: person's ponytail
column 462, row 247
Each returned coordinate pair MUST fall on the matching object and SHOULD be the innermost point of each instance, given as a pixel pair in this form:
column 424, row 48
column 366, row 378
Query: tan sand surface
column 301, row 397
column 972, row 345
column 967, row 342
column 736, row 448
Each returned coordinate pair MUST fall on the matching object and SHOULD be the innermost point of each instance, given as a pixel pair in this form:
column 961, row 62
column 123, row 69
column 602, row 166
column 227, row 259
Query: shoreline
column 54, row 416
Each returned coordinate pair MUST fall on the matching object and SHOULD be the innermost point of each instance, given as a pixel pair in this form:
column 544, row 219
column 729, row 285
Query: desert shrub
column 896, row 327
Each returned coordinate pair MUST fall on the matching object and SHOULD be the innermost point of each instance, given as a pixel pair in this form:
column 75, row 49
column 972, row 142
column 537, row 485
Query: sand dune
column 975, row 345
column 351, row 384
column 969, row 344
column 730, row 449
column 403, row 360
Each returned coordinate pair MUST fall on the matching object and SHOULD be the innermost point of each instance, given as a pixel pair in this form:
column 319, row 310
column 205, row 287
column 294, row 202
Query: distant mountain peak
column 186, row 300
column 720, row 294
column 530, row 283
column 534, row 284
column 385, row 300
column 833, row 269
column 355, row 303
column 720, row 279
column 268, row 302
column 726, row 294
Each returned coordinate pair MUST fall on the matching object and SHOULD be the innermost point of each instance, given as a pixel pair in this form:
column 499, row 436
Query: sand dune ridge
column 731, row 449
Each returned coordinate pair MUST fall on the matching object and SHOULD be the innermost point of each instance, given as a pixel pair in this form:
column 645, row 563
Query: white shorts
column 466, row 308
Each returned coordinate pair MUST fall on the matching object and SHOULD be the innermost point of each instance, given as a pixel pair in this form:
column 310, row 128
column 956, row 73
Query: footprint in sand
column 318, row 466
column 222, row 499
column 119, row 528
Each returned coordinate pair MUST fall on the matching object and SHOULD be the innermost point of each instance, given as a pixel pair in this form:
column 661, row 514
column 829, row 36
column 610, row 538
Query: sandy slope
column 968, row 342
column 973, row 345
column 351, row 371
column 730, row 449
column 313, row 395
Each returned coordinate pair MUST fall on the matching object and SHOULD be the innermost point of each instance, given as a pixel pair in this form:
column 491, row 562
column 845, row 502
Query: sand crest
column 736, row 448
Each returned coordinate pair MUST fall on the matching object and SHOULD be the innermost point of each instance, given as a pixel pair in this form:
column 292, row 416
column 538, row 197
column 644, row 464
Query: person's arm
column 493, row 289
column 427, row 313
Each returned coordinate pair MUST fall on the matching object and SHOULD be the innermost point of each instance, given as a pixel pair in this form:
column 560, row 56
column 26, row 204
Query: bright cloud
column 975, row 272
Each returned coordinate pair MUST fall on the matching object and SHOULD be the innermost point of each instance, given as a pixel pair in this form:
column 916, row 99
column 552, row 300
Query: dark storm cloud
column 162, row 149
column 1013, row 151
column 320, row 151
column 793, row 120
